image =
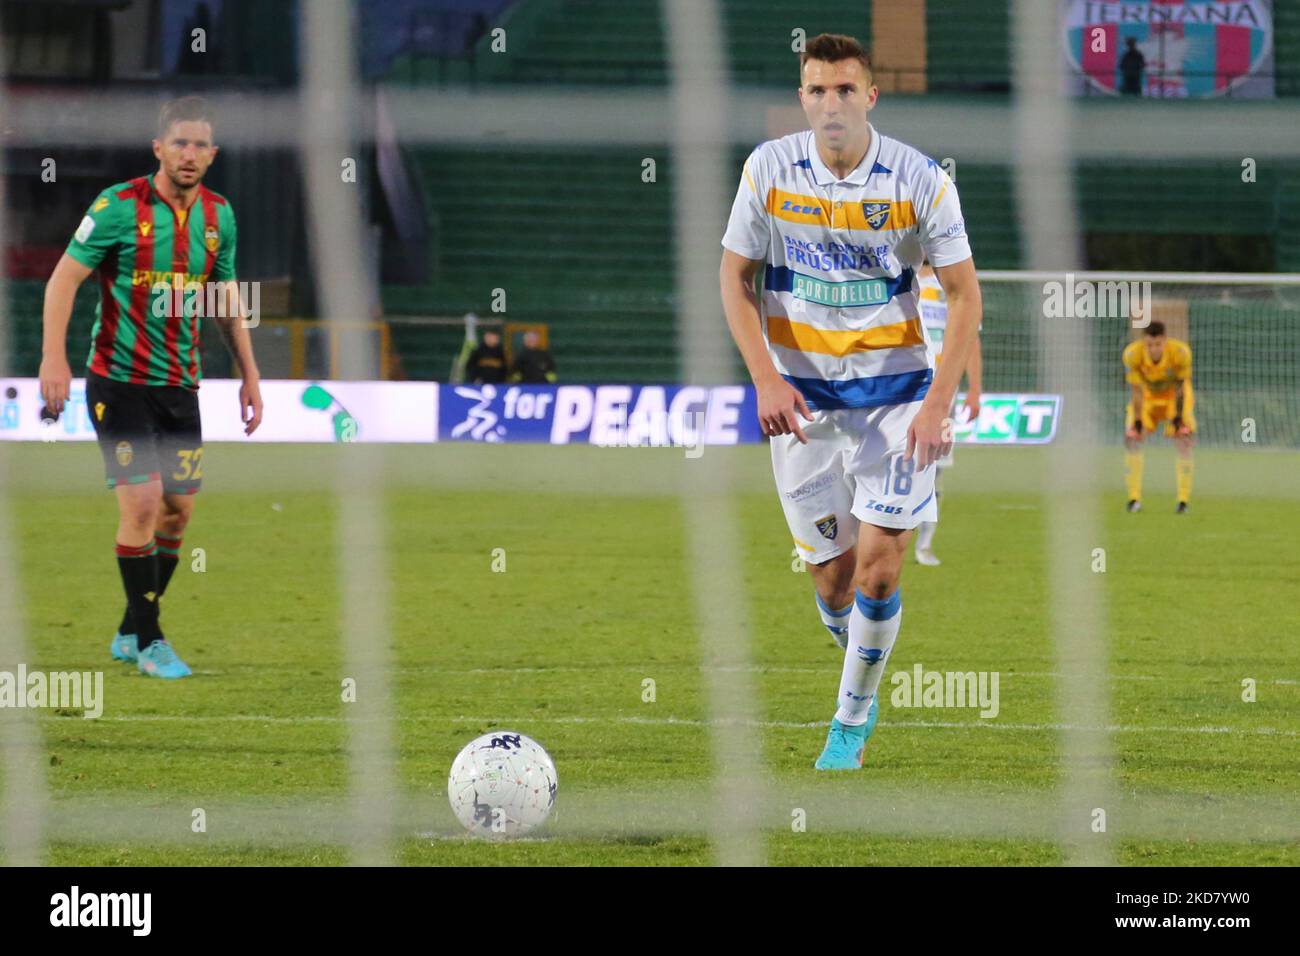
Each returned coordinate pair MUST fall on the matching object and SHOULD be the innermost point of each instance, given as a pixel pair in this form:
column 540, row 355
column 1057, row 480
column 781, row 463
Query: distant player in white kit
column 841, row 217
column 934, row 316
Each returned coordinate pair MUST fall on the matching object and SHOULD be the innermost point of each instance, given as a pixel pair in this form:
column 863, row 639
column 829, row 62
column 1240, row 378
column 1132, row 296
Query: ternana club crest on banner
column 1192, row 48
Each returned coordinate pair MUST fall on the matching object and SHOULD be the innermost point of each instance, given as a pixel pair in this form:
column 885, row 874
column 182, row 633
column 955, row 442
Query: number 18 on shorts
column 852, row 470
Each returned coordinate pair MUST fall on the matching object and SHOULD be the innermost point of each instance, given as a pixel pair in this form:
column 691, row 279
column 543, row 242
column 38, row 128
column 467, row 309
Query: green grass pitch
column 595, row 599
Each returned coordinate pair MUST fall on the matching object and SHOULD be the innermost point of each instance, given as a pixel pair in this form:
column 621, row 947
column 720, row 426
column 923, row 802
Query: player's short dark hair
column 1154, row 329
column 184, row 110
column 833, row 47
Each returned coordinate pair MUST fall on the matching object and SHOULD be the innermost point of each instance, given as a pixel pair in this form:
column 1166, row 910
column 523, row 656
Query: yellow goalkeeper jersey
column 1158, row 379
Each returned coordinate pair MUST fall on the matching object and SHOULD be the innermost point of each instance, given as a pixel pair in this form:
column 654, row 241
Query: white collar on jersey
column 821, row 173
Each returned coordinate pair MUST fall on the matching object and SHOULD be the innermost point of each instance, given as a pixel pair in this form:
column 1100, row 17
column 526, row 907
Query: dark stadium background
column 444, row 221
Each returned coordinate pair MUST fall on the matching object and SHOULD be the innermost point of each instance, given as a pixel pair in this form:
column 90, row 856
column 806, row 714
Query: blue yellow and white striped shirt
column 840, row 300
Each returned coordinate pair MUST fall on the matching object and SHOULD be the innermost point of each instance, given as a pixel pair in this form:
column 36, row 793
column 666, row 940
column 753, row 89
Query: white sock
column 925, row 535
column 837, row 622
column 873, row 627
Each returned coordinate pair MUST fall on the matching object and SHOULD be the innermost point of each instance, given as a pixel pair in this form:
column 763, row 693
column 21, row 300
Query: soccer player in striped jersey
column 1159, row 373
column 934, row 315
column 157, row 242
column 840, row 217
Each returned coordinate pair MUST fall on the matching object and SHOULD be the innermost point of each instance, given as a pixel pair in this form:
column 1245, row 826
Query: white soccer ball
column 502, row 784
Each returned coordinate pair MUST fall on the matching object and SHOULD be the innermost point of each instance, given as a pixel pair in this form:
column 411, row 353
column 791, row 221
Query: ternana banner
column 1169, row 49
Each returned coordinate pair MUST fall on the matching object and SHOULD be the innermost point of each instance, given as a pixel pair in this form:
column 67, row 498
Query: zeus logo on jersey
column 874, row 505
column 791, row 206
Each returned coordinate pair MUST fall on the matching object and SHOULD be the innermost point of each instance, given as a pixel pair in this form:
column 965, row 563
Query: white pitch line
column 980, row 724
column 762, row 669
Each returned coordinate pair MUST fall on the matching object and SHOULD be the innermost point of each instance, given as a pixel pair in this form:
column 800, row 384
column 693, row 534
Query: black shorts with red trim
column 147, row 433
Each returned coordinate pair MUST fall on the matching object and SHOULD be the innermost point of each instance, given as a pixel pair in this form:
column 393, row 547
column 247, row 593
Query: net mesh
column 1244, row 338
column 625, row 279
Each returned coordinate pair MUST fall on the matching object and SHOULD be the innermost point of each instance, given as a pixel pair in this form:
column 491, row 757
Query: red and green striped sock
column 168, row 550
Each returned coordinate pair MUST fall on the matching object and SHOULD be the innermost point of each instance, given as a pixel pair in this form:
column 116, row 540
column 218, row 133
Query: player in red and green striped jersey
column 164, row 246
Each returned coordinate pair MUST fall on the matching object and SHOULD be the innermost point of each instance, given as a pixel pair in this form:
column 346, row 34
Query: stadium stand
column 606, row 291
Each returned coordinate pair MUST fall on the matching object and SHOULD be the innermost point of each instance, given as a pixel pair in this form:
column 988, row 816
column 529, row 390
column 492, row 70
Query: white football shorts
column 852, row 470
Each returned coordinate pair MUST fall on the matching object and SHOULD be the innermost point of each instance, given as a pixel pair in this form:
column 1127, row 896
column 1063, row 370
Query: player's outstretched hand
column 250, row 405
column 56, row 383
column 778, row 401
column 929, row 435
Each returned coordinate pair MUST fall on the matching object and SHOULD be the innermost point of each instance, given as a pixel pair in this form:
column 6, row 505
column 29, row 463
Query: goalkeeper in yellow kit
column 1159, row 372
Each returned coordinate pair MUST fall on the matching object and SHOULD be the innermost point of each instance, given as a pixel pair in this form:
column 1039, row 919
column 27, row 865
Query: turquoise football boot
column 125, row 647
column 159, row 660
column 844, row 745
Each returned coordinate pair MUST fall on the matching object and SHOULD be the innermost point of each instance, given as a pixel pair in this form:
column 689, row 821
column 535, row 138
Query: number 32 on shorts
column 191, row 464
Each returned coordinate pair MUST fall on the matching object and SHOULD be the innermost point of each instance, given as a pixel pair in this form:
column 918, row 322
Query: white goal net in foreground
column 1245, row 334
